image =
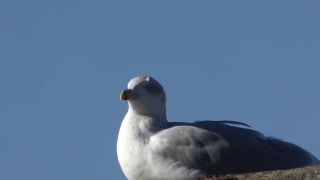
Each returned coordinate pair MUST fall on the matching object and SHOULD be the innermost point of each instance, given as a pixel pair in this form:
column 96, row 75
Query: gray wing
column 217, row 148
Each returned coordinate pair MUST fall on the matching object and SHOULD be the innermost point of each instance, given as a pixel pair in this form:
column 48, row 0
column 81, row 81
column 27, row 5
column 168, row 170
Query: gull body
column 149, row 147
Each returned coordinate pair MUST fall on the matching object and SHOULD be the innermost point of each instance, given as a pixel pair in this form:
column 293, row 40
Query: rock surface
column 305, row 173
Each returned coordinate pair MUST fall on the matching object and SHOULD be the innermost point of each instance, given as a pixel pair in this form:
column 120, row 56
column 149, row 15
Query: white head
column 145, row 96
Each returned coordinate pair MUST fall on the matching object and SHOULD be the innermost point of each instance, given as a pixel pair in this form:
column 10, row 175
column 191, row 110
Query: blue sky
column 63, row 65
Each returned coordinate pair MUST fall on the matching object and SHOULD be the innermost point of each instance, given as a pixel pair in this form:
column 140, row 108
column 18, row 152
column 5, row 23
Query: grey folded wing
column 217, row 148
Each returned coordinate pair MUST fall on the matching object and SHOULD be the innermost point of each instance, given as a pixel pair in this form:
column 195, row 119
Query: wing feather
column 216, row 148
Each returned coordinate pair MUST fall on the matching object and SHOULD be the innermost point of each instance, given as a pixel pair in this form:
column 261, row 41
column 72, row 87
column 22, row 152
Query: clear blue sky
column 63, row 65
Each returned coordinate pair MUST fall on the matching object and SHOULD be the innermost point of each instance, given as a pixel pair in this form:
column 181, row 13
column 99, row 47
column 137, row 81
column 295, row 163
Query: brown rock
column 305, row 173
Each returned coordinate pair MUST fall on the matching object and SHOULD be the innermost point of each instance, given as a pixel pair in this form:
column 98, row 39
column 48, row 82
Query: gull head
column 145, row 96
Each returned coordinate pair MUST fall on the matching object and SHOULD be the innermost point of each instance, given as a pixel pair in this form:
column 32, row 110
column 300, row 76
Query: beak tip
column 123, row 96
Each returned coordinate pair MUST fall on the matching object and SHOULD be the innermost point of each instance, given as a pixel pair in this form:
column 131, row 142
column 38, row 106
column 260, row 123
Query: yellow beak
column 128, row 94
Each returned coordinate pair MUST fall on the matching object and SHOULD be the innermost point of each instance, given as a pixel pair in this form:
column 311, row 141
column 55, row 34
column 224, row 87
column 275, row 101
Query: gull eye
column 153, row 88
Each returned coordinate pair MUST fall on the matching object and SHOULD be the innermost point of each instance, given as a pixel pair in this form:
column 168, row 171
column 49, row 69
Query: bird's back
column 251, row 151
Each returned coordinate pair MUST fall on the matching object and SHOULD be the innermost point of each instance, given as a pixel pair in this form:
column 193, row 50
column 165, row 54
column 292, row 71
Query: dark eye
column 152, row 87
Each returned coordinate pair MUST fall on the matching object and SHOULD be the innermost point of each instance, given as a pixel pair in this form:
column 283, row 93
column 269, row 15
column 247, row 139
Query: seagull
column 150, row 148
